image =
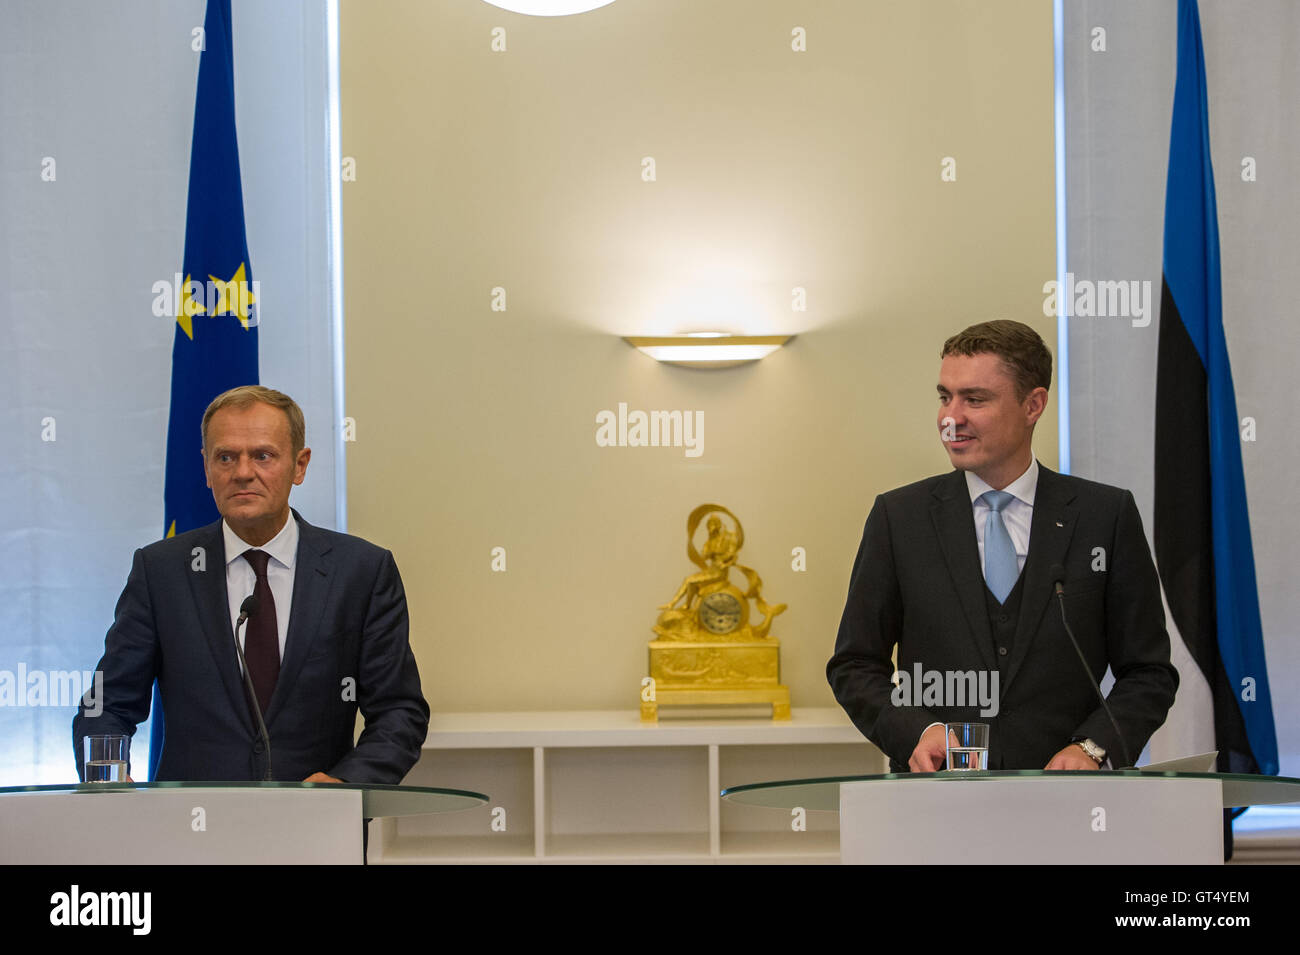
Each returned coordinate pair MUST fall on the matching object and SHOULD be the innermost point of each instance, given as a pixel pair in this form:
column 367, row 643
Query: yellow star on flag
column 186, row 309
column 234, row 297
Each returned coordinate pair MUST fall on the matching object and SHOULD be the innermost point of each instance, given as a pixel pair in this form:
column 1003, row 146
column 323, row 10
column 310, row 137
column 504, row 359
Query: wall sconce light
column 709, row 349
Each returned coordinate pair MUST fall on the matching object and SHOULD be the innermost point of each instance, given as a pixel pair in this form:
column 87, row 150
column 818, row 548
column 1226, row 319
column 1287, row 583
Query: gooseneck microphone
column 246, row 610
column 1058, row 585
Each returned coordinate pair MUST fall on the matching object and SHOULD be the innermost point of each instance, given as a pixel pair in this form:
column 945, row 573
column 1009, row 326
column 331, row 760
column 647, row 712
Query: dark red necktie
column 261, row 634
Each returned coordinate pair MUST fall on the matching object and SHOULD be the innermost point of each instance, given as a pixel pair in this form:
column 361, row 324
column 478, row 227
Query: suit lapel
column 213, row 604
column 312, row 576
column 954, row 522
column 1050, row 532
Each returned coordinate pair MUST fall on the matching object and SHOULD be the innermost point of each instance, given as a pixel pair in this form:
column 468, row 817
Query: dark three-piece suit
column 917, row 582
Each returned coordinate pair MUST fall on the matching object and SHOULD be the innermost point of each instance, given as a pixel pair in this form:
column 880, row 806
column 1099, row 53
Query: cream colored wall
column 775, row 169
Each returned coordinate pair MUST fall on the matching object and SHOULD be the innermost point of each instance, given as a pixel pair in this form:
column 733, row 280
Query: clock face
column 720, row 613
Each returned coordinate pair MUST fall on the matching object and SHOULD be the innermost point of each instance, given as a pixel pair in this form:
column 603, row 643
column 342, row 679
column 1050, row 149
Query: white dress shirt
column 1018, row 514
column 240, row 578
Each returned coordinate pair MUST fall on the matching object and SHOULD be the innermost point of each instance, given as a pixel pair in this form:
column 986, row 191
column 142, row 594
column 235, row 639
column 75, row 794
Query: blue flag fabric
column 1192, row 280
column 215, row 347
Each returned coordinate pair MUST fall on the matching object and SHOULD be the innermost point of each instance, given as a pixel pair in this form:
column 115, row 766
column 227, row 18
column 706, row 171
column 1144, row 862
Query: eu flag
column 215, row 347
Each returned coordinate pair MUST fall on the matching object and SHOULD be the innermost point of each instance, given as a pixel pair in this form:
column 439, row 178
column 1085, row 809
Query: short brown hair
column 1022, row 350
column 246, row 395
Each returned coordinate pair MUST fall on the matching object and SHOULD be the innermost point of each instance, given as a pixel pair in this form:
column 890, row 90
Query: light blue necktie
column 1001, row 568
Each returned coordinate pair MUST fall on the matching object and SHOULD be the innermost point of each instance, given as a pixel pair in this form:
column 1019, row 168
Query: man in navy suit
column 329, row 634
column 958, row 571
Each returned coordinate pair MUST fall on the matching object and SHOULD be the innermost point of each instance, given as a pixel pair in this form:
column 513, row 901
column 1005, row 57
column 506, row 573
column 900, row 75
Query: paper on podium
column 1200, row 763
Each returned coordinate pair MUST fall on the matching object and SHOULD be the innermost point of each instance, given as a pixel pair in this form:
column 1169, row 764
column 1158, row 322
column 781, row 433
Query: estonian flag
column 215, row 348
column 1201, row 527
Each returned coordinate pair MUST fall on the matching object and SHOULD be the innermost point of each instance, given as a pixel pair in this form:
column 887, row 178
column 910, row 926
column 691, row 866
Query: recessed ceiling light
column 548, row 8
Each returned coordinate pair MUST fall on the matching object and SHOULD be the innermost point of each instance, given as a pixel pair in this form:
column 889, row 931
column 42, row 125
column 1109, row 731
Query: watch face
column 720, row 613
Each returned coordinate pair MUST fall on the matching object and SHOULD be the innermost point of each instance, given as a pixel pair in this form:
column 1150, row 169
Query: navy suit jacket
column 917, row 583
column 346, row 647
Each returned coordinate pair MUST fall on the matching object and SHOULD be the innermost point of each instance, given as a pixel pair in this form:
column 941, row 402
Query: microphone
column 1058, row 585
column 246, row 610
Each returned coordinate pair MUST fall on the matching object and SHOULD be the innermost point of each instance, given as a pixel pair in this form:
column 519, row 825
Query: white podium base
column 1109, row 820
column 182, row 826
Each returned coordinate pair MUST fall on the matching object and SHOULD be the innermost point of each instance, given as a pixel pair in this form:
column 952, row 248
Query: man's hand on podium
column 321, row 778
column 1072, row 757
column 930, row 752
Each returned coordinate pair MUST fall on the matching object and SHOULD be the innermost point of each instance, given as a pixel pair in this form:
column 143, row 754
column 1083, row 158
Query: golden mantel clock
column 707, row 647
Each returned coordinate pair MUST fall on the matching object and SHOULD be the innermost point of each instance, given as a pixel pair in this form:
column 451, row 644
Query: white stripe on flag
column 1189, row 727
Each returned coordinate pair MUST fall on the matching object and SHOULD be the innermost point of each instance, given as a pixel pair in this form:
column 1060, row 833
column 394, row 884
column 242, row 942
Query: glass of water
column 106, row 758
column 968, row 745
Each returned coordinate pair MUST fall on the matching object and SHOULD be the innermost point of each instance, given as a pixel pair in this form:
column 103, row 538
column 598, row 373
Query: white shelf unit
column 600, row 786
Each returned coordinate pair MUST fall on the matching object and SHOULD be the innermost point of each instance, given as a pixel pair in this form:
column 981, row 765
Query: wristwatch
column 1092, row 749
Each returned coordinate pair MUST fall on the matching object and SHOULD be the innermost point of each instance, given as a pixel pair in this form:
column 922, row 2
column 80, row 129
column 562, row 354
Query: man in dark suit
column 958, row 572
column 329, row 633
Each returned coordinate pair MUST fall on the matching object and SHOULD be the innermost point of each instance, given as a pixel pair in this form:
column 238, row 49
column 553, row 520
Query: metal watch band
column 1093, row 750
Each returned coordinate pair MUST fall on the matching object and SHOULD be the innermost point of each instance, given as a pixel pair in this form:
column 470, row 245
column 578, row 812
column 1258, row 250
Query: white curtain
column 96, row 113
column 1118, row 108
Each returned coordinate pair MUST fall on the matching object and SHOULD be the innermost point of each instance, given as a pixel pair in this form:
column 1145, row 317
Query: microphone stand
column 244, row 612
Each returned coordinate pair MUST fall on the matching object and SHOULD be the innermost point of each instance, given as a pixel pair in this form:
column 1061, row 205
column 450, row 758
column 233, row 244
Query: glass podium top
column 1238, row 789
column 377, row 801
